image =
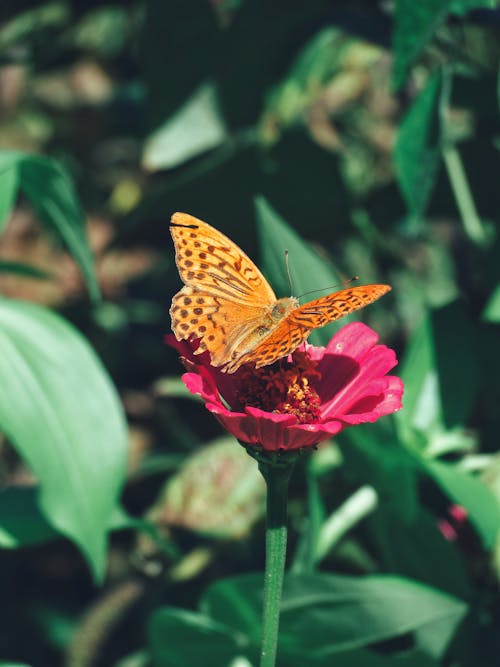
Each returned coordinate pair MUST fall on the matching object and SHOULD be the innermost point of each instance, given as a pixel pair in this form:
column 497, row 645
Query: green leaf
column 9, row 187
column 50, row 191
column 491, row 312
column 196, row 128
column 347, row 614
column 442, row 351
column 422, row 401
column 181, row 637
column 373, row 455
column 417, row 152
column 472, row 494
column 24, row 270
column 236, row 602
column 309, row 271
column 415, row 24
column 417, row 549
column 324, row 614
column 61, row 412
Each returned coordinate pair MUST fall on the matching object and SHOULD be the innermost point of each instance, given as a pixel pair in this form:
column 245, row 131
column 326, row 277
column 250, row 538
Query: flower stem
column 277, row 478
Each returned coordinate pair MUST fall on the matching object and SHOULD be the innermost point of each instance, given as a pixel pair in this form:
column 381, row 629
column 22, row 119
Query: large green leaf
column 417, row 152
column 51, row 193
column 324, row 614
column 415, row 24
column 181, row 637
column 61, row 412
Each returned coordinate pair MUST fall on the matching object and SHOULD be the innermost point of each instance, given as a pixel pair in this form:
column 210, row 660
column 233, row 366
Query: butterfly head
column 283, row 307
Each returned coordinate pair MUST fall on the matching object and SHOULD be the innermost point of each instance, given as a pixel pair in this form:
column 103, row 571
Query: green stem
column 471, row 221
column 277, row 478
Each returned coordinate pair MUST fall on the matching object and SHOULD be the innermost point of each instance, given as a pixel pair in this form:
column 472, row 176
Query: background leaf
column 9, row 187
column 324, row 614
column 195, row 128
column 415, row 25
column 19, row 269
column 309, row 270
column 50, row 191
column 417, row 152
column 182, row 637
column 471, row 494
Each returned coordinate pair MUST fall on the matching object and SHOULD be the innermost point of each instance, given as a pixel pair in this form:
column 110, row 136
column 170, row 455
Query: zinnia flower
column 304, row 399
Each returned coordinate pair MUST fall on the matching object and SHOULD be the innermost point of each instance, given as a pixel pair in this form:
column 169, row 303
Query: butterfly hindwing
column 225, row 329
column 296, row 327
column 329, row 308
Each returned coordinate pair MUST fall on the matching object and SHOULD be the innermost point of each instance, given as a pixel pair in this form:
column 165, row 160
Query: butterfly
column 230, row 307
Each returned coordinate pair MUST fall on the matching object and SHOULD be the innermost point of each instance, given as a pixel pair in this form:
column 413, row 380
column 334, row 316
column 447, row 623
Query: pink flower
column 300, row 401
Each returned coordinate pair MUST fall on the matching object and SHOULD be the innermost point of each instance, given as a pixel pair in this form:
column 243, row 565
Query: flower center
column 283, row 387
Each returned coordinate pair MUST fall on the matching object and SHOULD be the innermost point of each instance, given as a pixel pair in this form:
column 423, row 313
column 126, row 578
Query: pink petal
column 352, row 340
column 253, row 428
column 347, row 377
column 307, row 435
column 201, row 383
column 383, row 397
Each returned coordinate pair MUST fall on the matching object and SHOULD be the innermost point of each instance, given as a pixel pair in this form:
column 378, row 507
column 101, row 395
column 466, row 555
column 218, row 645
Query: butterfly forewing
column 210, row 261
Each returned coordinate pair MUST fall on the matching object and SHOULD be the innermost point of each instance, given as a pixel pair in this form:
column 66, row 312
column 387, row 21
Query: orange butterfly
column 228, row 304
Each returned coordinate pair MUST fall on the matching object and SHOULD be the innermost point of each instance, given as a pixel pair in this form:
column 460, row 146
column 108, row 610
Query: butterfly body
column 230, row 307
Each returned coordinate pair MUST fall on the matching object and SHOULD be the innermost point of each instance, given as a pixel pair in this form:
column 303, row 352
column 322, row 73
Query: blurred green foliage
column 362, row 137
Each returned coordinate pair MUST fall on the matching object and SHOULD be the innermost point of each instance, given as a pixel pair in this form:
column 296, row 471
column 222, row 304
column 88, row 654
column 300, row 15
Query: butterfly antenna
column 287, row 264
column 322, row 289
